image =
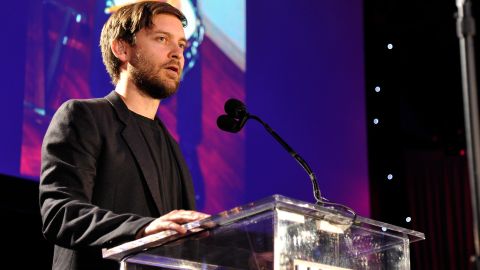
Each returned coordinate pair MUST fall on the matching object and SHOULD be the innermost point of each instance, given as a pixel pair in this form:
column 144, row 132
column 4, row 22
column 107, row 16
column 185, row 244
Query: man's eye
column 183, row 46
column 161, row 38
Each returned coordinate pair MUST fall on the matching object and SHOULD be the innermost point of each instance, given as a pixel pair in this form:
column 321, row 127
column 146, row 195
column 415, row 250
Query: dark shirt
column 161, row 153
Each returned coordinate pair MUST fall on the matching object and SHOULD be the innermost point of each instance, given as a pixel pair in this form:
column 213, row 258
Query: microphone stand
column 295, row 155
column 466, row 32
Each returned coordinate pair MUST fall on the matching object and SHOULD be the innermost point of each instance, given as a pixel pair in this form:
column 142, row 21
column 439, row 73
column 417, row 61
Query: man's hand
column 172, row 221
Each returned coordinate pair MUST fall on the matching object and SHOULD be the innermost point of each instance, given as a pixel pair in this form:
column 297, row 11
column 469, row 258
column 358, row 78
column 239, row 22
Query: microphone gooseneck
column 316, row 190
column 236, row 118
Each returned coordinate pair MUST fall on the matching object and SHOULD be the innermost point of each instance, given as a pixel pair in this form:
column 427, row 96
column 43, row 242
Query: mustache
column 172, row 63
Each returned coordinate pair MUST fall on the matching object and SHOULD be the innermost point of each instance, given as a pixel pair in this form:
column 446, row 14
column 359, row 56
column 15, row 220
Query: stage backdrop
column 296, row 64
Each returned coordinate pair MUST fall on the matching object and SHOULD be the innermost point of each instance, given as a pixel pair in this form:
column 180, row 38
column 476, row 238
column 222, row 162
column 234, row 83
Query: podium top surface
column 335, row 219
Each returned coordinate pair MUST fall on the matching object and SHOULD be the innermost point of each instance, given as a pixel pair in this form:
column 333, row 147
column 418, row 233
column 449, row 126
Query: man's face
column 156, row 62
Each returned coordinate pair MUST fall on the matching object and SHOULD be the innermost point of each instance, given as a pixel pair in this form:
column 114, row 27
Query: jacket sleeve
column 70, row 150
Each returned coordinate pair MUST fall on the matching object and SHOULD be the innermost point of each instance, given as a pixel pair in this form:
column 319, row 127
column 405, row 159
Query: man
column 111, row 172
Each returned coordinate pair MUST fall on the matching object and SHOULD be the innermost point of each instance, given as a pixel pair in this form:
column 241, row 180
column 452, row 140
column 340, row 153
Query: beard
column 148, row 80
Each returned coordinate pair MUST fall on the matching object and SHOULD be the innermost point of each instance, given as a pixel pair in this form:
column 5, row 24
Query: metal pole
column 466, row 32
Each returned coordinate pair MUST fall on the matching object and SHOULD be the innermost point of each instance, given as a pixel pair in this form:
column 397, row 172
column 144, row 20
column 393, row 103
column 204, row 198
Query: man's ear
column 120, row 49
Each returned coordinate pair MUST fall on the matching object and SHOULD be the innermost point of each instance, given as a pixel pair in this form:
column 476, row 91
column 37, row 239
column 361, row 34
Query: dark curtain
column 438, row 197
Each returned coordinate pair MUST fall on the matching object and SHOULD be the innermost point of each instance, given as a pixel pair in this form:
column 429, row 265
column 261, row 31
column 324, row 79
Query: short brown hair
column 125, row 23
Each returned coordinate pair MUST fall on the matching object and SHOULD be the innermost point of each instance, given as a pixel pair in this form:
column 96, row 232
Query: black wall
column 23, row 243
column 420, row 139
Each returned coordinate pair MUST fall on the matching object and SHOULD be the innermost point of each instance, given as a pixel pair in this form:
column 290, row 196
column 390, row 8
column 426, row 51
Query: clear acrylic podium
column 274, row 233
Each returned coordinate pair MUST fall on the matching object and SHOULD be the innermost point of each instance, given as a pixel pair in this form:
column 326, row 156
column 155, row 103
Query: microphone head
column 227, row 123
column 235, row 108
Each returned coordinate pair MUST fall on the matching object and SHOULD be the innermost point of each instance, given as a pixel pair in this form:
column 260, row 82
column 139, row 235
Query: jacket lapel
column 188, row 195
column 137, row 146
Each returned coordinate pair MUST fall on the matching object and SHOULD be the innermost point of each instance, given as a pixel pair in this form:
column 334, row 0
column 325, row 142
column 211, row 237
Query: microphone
column 237, row 117
column 235, row 108
column 227, row 123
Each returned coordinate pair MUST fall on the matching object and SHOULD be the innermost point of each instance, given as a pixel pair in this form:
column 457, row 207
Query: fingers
column 162, row 225
column 172, row 221
column 184, row 216
column 191, row 213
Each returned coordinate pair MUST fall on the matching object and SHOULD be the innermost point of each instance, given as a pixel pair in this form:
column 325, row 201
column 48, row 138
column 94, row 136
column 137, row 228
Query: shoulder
column 83, row 108
column 108, row 108
column 81, row 115
column 83, row 104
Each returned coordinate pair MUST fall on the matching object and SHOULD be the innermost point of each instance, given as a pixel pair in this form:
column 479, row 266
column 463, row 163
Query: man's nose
column 176, row 52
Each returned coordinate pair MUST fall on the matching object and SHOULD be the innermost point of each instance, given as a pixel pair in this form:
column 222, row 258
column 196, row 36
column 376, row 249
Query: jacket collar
column 137, row 145
column 120, row 107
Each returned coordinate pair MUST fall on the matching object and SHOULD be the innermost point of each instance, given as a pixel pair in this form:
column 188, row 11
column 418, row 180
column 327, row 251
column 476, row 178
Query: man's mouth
column 173, row 68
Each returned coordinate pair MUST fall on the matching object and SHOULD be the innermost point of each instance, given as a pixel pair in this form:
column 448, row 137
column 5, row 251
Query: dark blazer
column 96, row 184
